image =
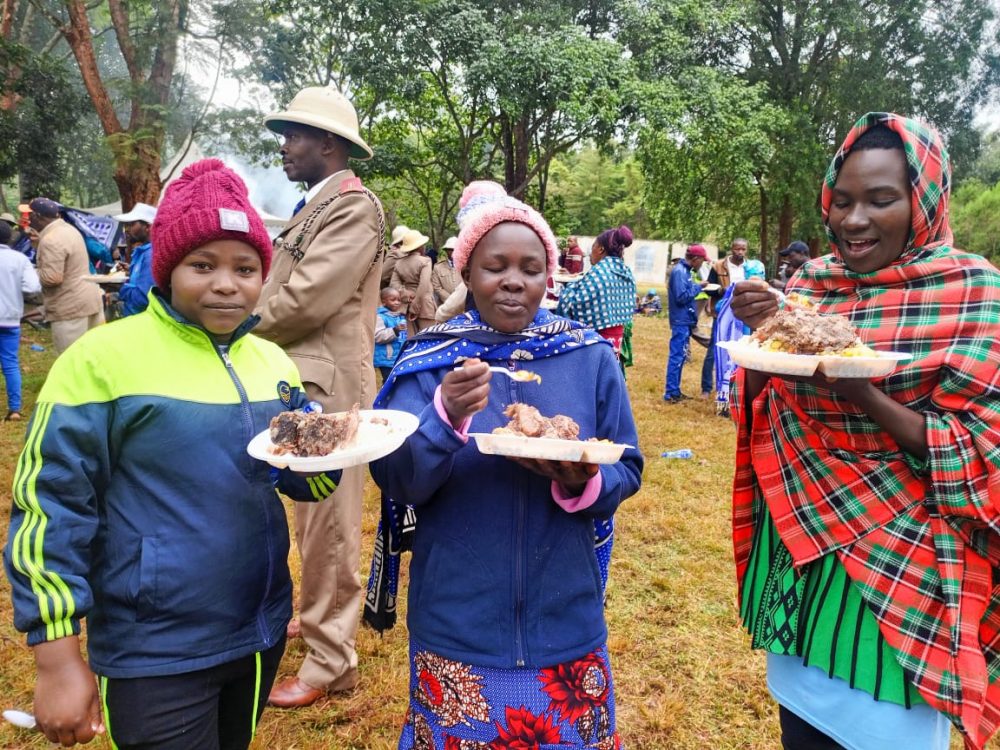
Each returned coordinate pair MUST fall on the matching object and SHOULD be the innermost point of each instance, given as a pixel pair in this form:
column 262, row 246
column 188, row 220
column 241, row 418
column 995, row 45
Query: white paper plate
column 553, row 449
column 111, row 278
column 565, row 278
column 862, row 367
column 711, row 287
column 782, row 363
column 374, row 441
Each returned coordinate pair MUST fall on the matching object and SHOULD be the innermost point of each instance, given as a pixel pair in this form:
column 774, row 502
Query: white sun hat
column 325, row 108
column 398, row 234
column 413, row 240
column 140, row 212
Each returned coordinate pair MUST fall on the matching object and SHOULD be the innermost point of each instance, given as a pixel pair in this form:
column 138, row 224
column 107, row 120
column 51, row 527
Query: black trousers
column 211, row 709
column 799, row 734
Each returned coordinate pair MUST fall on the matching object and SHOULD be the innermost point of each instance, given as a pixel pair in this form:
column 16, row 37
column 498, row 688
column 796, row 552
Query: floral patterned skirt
column 458, row 706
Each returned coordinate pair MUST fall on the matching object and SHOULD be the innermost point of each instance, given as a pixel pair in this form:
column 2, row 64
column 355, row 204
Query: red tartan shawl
column 919, row 538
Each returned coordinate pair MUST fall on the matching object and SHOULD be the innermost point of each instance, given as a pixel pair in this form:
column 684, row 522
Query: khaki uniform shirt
column 413, row 272
column 320, row 306
column 62, row 264
column 444, row 279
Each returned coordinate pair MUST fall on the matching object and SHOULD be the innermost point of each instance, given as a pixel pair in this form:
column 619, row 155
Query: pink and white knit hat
column 483, row 205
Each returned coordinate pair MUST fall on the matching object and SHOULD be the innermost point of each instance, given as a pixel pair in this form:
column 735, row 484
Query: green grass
column 684, row 675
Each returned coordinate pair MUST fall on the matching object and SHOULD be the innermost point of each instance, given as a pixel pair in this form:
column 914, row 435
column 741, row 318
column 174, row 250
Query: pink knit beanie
column 483, row 205
column 207, row 202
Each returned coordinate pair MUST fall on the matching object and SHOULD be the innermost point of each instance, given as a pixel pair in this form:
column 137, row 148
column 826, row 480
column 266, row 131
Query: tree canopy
column 689, row 120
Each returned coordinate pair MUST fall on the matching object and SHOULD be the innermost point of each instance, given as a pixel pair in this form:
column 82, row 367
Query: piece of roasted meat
column 528, row 421
column 313, row 434
column 802, row 330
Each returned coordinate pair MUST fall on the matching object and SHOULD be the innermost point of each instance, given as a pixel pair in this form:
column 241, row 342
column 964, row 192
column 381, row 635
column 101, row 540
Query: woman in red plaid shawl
column 865, row 513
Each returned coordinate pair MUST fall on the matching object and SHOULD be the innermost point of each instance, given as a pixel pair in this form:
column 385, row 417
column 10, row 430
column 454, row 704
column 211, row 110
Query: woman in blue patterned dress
column 604, row 298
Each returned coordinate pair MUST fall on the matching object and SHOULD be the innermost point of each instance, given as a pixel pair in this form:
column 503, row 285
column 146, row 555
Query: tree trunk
column 138, row 178
column 507, row 146
column 522, row 153
column 81, row 42
column 7, row 10
column 543, row 184
column 764, row 250
column 785, row 223
column 8, row 100
column 137, row 148
column 516, row 152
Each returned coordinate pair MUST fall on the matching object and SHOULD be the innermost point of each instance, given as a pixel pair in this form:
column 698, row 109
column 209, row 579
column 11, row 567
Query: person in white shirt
column 17, row 278
column 726, row 271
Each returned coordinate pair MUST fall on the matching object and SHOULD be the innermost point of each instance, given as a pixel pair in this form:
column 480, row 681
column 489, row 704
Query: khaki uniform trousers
column 329, row 538
column 65, row 332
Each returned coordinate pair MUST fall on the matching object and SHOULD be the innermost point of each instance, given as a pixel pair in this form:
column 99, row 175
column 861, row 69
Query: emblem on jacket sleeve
column 285, row 393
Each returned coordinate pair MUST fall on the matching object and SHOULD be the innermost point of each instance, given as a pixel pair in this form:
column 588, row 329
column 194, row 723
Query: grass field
column 684, row 675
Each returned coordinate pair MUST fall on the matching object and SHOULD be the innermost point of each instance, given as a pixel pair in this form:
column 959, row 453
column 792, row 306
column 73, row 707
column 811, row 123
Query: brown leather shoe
column 293, row 693
column 293, row 629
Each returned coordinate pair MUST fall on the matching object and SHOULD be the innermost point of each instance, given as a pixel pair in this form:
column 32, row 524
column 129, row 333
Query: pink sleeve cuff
column 462, row 433
column 591, row 491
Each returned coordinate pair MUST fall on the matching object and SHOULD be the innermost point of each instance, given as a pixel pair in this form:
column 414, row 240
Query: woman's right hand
column 753, row 302
column 466, row 391
column 67, row 707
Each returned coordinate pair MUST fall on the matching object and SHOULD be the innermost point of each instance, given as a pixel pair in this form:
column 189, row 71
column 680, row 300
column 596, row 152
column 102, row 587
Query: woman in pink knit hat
column 157, row 527
column 506, row 623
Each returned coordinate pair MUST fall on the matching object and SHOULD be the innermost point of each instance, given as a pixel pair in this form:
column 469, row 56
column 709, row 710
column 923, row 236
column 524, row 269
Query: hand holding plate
column 572, row 476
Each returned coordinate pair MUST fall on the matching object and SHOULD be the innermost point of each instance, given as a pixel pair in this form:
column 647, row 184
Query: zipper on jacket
column 519, row 636
column 247, row 418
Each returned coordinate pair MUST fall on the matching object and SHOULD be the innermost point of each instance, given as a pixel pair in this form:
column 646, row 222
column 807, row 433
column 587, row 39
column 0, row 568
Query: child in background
column 156, row 525
column 390, row 330
column 651, row 304
column 508, row 644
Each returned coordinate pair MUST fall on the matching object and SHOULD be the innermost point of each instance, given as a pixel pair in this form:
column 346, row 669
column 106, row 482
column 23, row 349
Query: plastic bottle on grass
column 682, row 453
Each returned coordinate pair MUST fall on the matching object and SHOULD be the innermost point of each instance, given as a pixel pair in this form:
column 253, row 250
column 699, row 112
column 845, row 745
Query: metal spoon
column 521, row 376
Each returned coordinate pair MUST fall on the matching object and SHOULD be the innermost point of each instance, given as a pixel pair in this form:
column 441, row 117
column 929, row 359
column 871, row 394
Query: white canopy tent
column 188, row 154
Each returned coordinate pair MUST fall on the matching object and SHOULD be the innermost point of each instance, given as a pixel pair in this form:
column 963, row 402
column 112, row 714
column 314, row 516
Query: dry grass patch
column 684, row 675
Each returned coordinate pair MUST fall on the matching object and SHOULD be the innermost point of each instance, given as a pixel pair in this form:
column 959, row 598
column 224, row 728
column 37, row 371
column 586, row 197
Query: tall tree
column 36, row 96
column 451, row 90
column 818, row 65
column 147, row 37
column 826, row 63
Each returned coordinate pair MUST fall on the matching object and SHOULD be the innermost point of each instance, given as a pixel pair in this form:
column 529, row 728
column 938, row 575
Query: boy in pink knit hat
column 156, row 525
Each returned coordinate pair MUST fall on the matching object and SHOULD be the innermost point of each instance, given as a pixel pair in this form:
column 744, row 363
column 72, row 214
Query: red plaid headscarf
column 918, row 538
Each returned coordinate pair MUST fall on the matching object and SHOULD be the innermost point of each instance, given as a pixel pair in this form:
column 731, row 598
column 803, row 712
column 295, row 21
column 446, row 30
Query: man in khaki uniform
column 72, row 306
column 319, row 305
column 413, row 274
column 393, row 256
column 444, row 277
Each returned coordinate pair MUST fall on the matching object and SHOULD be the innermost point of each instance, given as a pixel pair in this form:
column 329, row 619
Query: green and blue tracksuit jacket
column 137, row 506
